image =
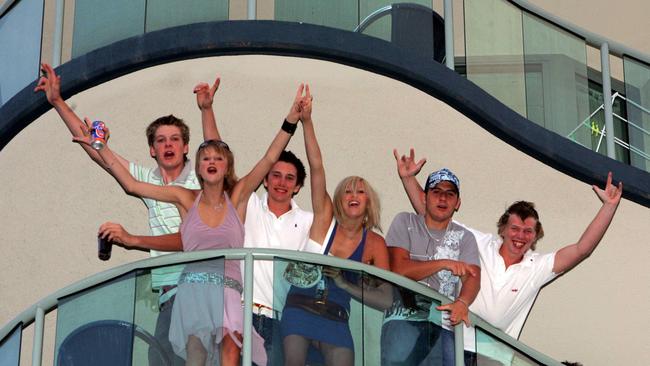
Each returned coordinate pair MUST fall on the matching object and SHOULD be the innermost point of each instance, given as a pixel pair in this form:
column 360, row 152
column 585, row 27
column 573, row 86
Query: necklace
column 216, row 207
column 437, row 241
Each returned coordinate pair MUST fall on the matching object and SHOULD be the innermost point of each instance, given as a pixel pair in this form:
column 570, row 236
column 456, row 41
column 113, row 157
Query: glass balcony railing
column 637, row 92
column 111, row 318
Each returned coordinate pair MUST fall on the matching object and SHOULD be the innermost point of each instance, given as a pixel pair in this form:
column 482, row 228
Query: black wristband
column 288, row 127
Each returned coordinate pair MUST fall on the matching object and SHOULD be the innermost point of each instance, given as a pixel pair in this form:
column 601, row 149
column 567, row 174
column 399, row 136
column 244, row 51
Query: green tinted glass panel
column 86, row 320
column 411, row 332
column 147, row 310
column 10, row 347
column 595, row 124
column 494, row 50
column 20, row 42
column 381, row 27
column 637, row 91
column 98, row 23
column 492, row 352
column 557, row 95
column 206, row 290
column 170, row 13
column 373, row 318
column 343, row 14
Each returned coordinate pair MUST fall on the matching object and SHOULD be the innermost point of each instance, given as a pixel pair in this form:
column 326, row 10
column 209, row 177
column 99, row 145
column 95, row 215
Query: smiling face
column 518, row 237
column 168, row 147
column 441, row 202
column 282, row 182
column 355, row 199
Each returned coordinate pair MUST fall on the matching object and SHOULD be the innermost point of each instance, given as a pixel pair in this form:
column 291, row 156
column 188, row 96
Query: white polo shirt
column 265, row 230
column 507, row 295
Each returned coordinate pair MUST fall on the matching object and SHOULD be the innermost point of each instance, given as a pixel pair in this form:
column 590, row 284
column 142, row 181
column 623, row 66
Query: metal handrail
column 37, row 311
column 585, row 123
column 5, row 6
column 592, row 39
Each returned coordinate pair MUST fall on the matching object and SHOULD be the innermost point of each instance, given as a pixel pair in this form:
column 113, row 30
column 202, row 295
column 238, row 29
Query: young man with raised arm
column 168, row 138
column 273, row 221
column 432, row 249
column 512, row 272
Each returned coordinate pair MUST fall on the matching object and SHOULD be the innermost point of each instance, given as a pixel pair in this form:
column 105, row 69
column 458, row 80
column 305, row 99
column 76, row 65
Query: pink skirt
column 210, row 311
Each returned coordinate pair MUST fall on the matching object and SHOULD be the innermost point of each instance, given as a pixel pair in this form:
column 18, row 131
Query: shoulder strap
column 197, row 199
column 331, row 239
column 357, row 255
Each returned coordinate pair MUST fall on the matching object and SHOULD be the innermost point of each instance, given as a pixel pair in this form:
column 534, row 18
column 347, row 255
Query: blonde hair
column 372, row 217
column 230, row 179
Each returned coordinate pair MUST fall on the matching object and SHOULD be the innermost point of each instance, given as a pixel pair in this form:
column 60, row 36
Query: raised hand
column 406, row 165
column 205, row 94
column 611, row 194
column 305, row 105
column 50, row 84
column 294, row 112
column 87, row 139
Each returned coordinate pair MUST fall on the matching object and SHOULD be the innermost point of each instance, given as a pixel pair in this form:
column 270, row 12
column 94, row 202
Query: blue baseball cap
column 442, row 175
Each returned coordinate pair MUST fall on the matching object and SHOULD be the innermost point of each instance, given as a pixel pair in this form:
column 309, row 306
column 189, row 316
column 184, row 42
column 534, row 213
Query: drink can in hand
column 98, row 134
column 104, row 247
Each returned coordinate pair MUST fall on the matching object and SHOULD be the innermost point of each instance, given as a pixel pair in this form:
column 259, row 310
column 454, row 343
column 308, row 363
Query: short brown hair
column 373, row 208
column 170, row 120
column 524, row 210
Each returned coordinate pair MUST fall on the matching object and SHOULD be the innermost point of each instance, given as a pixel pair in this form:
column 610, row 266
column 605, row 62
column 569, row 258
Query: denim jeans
column 269, row 329
column 414, row 343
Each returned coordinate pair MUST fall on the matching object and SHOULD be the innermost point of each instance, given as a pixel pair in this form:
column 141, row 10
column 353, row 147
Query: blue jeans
column 414, row 343
column 269, row 329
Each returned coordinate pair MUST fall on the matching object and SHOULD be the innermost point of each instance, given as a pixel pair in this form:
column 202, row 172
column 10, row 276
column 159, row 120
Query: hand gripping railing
column 35, row 313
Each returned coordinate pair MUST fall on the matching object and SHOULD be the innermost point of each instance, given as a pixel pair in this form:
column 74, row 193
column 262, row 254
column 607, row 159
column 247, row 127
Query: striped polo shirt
column 164, row 217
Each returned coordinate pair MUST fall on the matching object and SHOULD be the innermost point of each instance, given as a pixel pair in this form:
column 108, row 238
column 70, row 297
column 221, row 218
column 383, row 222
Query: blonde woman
column 318, row 316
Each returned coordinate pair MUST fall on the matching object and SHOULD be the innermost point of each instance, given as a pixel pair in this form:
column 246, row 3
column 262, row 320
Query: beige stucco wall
column 618, row 21
column 54, row 197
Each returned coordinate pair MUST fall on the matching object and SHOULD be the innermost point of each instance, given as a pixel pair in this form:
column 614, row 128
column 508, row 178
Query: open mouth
column 280, row 190
column 353, row 203
column 168, row 154
column 518, row 244
column 212, row 170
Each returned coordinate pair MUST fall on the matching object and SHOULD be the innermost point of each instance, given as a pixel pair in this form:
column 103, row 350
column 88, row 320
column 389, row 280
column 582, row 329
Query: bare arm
column 116, row 233
column 204, row 99
column 377, row 295
column 401, row 263
column 173, row 194
column 253, row 179
column 459, row 309
column 320, row 199
column 370, row 291
column 407, row 169
column 573, row 254
column 469, row 274
column 50, row 85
